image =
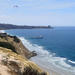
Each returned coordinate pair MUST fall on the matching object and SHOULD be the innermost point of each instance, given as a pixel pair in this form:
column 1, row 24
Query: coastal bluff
column 15, row 44
column 14, row 57
column 14, row 64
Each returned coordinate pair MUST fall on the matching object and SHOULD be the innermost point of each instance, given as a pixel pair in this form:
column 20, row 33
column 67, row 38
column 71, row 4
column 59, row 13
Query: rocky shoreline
column 14, row 57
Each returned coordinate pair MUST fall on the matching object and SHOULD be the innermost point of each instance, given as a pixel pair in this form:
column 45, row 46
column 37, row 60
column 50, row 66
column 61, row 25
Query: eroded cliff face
column 15, row 44
column 14, row 58
column 14, row 64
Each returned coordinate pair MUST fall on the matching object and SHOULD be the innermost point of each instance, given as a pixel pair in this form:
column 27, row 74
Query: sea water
column 57, row 46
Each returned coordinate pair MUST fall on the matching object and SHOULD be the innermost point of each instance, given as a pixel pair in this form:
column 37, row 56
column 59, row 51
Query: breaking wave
column 2, row 31
column 47, row 58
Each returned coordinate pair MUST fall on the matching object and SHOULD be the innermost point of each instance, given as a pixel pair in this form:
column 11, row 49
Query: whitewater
column 48, row 60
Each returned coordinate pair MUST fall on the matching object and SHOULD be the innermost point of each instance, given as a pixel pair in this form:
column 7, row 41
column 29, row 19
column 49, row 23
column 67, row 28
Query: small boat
column 37, row 37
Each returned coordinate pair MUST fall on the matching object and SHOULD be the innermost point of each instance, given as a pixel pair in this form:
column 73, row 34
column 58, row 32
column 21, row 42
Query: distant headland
column 11, row 26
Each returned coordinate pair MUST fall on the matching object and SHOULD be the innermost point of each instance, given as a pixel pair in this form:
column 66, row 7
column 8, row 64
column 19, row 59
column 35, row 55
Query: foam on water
column 71, row 61
column 2, row 31
column 47, row 57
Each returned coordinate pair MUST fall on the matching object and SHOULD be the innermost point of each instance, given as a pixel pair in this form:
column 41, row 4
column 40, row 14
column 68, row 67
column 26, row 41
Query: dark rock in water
column 34, row 53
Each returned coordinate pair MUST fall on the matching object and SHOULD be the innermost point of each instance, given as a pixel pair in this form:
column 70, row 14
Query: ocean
column 57, row 46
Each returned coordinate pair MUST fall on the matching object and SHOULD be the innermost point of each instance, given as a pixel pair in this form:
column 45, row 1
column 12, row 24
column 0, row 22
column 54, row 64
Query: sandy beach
column 51, row 69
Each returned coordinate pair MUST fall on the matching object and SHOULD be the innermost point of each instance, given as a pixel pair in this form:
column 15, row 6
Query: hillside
column 15, row 44
column 11, row 26
column 14, row 57
column 14, row 64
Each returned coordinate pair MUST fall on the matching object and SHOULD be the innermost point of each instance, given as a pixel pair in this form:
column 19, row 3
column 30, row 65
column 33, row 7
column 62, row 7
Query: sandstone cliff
column 14, row 64
column 14, row 57
column 15, row 44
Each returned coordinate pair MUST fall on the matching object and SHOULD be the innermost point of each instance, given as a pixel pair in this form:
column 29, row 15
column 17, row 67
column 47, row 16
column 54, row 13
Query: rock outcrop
column 14, row 64
column 15, row 44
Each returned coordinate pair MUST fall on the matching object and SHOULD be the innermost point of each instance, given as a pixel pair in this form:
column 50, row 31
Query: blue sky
column 38, row 12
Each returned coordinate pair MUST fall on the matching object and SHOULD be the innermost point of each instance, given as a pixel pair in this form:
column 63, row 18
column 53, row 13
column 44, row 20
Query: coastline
column 50, row 68
column 12, row 47
column 50, row 71
column 33, row 59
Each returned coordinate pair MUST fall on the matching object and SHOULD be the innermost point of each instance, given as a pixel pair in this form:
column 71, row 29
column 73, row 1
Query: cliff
column 14, row 57
column 14, row 64
column 15, row 44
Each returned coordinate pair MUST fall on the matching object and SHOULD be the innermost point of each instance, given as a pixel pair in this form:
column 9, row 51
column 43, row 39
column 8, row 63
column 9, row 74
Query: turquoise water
column 57, row 43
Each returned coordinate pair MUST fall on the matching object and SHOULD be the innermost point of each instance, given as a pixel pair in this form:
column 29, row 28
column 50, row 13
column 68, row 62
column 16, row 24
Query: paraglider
column 15, row 6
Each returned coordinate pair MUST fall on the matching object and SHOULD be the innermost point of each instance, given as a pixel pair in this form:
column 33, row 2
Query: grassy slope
column 19, row 65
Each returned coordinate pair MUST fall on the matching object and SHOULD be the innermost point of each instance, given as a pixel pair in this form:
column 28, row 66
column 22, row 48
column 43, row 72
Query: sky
column 38, row 12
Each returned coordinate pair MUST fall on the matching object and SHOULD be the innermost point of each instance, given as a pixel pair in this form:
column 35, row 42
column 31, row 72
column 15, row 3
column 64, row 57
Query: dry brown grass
column 20, row 65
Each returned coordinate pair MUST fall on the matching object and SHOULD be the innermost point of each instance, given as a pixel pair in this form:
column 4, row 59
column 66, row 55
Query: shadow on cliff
column 7, row 45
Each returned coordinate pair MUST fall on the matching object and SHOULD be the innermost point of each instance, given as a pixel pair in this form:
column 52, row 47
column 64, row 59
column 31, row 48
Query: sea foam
column 47, row 58
column 2, row 31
